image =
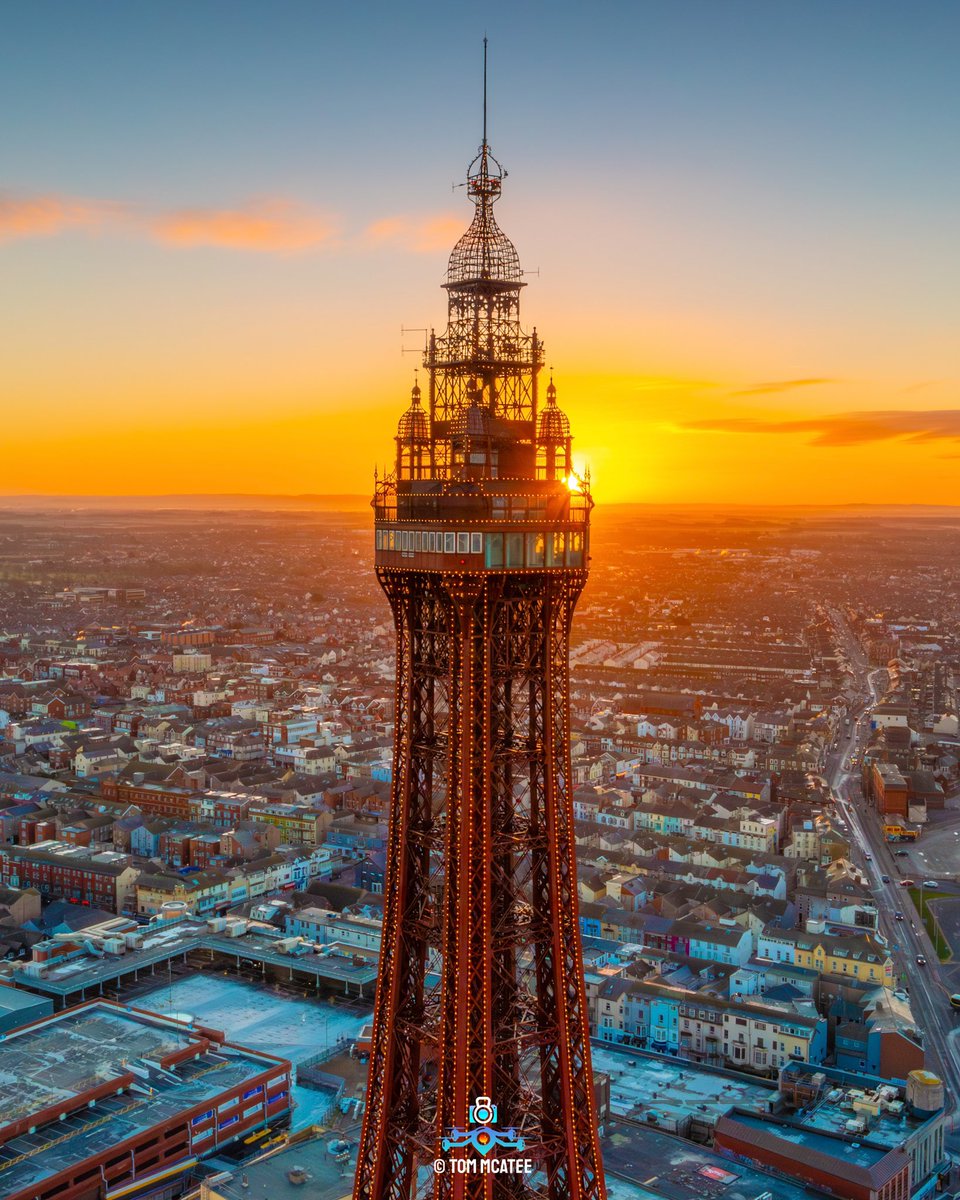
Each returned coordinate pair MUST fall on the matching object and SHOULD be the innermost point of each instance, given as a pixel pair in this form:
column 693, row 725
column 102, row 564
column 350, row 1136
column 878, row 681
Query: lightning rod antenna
column 484, row 91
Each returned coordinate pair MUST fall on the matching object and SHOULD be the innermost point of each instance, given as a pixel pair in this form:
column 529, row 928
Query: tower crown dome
column 554, row 424
column 484, row 253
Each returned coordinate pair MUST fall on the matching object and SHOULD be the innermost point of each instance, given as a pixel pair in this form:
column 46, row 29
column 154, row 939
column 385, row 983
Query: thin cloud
column 848, row 429
column 269, row 225
column 922, row 385
column 275, row 225
column 421, row 235
column 779, row 385
column 48, row 215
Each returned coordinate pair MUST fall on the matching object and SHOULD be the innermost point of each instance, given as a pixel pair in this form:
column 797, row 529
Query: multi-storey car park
column 107, row 1101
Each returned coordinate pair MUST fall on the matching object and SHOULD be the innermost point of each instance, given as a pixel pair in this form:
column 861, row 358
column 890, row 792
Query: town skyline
column 741, row 221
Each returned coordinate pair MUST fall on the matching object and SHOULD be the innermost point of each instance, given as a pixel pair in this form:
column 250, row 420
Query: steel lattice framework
column 482, row 546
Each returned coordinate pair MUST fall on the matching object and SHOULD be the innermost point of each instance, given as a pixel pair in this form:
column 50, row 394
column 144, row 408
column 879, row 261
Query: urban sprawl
column 196, row 754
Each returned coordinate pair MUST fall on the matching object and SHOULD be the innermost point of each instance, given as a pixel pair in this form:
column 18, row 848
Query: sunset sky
column 216, row 217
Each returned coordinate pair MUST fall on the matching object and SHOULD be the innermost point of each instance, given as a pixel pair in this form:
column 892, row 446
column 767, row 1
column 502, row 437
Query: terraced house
column 850, row 957
column 708, row 1029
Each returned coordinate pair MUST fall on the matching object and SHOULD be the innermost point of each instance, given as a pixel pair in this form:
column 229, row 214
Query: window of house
column 449, row 543
column 476, row 543
column 463, row 543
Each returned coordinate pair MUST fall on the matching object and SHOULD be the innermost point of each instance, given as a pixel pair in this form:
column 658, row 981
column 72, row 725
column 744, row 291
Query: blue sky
column 723, row 194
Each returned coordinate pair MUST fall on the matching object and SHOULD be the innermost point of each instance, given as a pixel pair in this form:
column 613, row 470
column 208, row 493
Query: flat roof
column 885, row 1129
column 15, row 999
column 73, row 975
column 645, row 1161
column 59, row 1059
column 673, row 1088
column 861, row 1153
column 64, row 1057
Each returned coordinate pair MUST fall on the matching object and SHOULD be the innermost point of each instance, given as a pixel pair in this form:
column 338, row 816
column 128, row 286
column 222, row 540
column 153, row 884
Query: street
column 907, row 939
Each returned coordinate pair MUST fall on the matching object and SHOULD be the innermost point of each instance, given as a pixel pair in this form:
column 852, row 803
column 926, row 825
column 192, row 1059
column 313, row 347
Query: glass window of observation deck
column 494, row 556
column 514, row 549
column 535, row 549
column 556, row 545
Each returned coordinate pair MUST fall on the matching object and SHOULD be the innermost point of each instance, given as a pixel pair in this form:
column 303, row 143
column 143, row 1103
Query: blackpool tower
column 480, row 1081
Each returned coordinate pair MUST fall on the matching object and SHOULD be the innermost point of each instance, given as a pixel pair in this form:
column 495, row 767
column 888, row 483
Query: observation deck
column 489, row 525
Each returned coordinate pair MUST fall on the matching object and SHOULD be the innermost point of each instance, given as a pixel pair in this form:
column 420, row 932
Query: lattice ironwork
column 482, row 552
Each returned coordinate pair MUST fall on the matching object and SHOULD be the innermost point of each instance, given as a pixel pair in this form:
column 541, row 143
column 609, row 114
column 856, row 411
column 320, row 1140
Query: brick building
column 99, row 878
column 102, row 1099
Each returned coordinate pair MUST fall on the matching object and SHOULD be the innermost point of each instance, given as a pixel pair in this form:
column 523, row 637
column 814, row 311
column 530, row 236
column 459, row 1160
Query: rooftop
column 641, row 1085
column 884, row 1128
column 166, row 941
column 53, row 1064
column 643, row 1162
column 861, row 1153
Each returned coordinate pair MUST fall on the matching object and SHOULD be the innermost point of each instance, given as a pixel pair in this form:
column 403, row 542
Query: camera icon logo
column 482, row 1135
column 483, row 1111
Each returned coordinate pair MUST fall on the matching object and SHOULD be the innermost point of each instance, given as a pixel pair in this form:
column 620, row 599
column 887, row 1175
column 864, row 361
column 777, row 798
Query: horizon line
column 364, row 499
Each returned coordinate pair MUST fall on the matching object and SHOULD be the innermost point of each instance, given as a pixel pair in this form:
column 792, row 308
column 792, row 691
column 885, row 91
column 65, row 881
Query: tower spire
column 484, row 91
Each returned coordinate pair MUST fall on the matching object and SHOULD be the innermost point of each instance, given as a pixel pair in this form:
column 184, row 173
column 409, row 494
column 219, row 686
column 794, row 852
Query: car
column 906, row 883
column 930, row 883
column 884, row 878
column 921, row 961
column 902, row 853
column 898, row 916
column 868, row 857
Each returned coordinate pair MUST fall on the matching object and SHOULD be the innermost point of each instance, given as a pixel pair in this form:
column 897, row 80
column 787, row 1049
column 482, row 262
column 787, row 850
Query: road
column 929, row 995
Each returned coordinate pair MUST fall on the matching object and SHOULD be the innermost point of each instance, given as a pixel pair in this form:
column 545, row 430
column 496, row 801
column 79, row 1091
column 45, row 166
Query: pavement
column 947, row 913
column 937, row 853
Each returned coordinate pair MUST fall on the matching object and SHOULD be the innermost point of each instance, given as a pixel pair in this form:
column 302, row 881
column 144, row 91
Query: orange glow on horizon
column 640, row 441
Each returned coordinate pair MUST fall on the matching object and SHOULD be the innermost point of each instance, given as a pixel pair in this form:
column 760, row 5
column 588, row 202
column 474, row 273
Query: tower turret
column 553, row 440
column 413, row 440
